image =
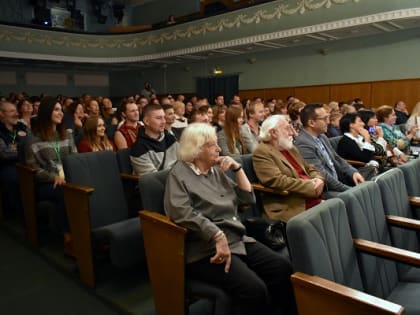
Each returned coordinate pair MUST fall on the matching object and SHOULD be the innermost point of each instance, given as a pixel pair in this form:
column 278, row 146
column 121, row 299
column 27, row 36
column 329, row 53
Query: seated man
column 278, row 165
column 126, row 134
column 155, row 148
column 317, row 150
column 12, row 133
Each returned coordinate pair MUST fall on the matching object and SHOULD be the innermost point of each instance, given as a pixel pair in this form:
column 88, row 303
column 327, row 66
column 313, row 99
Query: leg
column 275, row 271
column 248, row 291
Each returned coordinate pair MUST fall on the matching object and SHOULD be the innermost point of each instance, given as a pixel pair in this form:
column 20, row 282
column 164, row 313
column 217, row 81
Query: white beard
column 285, row 144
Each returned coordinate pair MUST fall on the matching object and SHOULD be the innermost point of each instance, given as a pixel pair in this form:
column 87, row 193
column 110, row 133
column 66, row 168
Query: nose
column 218, row 148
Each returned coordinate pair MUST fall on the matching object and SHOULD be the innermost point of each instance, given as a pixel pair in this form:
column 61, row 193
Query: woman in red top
column 95, row 138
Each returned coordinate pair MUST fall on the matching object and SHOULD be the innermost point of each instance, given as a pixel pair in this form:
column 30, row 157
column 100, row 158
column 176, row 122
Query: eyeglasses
column 325, row 118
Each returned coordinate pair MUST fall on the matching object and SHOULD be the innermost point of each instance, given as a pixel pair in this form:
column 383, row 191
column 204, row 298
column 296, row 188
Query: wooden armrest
column 161, row 220
column 403, row 222
column 356, row 163
column 79, row 188
column 26, row 167
column 164, row 245
column 387, row 251
column 260, row 187
column 327, row 297
column 130, row 177
column 414, row 201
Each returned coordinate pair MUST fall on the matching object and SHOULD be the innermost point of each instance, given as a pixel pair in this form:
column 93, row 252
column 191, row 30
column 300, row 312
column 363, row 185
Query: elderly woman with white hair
column 279, row 165
column 200, row 197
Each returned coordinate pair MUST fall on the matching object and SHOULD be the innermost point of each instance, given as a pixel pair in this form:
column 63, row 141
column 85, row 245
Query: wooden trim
column 327, row 297
column 414, row 201
column 403, row 222
column 387, row 251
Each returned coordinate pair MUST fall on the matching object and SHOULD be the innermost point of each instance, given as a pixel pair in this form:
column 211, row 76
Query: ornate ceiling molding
column 293, row 32
column 225, row 22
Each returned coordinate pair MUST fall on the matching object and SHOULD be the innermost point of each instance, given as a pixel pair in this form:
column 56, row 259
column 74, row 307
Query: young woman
column 95, row 138
column 46, row 148
column 229, row 138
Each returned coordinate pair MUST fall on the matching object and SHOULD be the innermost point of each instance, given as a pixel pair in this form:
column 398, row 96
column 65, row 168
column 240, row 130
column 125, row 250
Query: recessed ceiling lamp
column 217, row 71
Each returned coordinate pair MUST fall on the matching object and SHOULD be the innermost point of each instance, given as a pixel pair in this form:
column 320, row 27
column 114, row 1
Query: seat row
column 359, row 253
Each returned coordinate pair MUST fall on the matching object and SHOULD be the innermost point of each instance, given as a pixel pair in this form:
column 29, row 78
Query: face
column 373, row 121
column 236, row 99
column 57, row 114
column 220, row 100
column 188, row 107
column 169, row 116
column 180, row 110
column 259, row 113
column 320, row 123
column 9, row 115
column 100, row 128
column 284, row 134
column 27, row 108
column 210, row 152
column 210, row 114
column 93, row 108
column 142, row 102
column 155, row 122
column 391, row 118
column 203, row 118
column 107, row 106
column 36, row 107
column 358, row 124
column 79, row 112
column 132, row 112
column 241, row 119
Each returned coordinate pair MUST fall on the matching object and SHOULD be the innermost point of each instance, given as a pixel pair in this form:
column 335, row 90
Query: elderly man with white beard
column 279, row 165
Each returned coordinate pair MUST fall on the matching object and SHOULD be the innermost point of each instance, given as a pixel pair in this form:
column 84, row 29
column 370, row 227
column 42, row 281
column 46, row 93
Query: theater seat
column 98, row 213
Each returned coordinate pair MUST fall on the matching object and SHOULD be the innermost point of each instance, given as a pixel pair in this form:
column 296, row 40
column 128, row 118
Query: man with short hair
column 155, row 148
column 12, row 133
column 279, row 165
column 126, row 134
column 255, row 116
column 219, row 100
column 315, row 148
column 92, row 108
column 180, row 120
column 401, row 111
column 169, row 121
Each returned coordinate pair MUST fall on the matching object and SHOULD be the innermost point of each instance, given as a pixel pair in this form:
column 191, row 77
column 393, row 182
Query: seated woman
column 94, row 136
column 392, row 133
column 413, row 120
column 200, row 197
column 355, row 144
column 45, row 150
column 231, row 138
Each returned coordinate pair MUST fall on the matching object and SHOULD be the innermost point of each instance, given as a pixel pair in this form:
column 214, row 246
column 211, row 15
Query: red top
column 130, row 133
column 84, row 146
column 309, row 202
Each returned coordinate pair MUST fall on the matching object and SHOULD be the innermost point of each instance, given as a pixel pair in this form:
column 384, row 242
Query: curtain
column 212, row 86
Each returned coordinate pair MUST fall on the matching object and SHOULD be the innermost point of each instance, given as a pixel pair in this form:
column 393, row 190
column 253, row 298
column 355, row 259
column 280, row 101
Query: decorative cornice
column 188, row 30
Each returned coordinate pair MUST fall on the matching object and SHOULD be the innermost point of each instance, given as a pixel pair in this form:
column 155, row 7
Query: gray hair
column 269, row 124
column 193, row 138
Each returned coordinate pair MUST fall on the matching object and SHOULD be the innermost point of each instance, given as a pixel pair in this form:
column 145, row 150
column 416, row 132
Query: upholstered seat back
column 411, row 172
column 367, row 221
column 320, row 244
column 100, row 171
column 395, row 199
column 123, row 159
column 334, row 142
column 152, row 190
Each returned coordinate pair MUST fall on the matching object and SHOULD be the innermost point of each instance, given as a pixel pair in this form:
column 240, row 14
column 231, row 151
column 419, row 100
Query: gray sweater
column 205, row 204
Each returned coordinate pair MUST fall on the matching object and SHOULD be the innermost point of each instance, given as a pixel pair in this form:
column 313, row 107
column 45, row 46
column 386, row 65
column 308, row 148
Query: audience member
column 180, row 120
column 316, row 149
column 333, row 129
column 126, row 133
column 155, row 148
column 392, row 132
column 148, row 92
column 200, row 114
column 255, row 116
column 12, row 134
column 355, row 144
column 401, row 112
column 94, row 136
column 25, row 110
column 230, row 138
column 414, row 120
column 92, row 108
column 169, row 121
column 45, row 150
column 217, row 249
column 294, row 114
column 279, row 165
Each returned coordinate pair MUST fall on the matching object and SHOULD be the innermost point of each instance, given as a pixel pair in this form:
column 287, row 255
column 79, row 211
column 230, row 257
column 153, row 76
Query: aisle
column 29, row 285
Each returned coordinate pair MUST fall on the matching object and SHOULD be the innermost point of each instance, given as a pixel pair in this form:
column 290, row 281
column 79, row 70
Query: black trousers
column 259, row 282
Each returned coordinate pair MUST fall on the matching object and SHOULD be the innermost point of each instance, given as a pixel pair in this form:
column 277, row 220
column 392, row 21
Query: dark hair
column 346, row 120
column 308, row 112
column 44, row 124
column 365, row 115
column 167, row 106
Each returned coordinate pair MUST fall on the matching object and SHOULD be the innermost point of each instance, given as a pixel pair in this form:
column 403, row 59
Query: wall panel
column 346, row 92
column 313, row 94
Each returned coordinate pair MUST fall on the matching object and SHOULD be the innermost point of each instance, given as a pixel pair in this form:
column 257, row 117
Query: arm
column 119, row 140
column 347, row 148
column 142, row 164
column 311, row 156
column 248, row 138
column 279, row 177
